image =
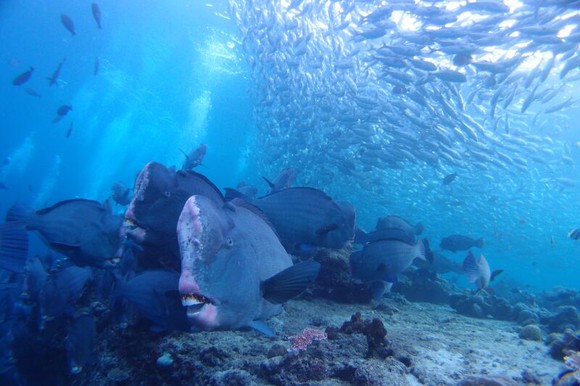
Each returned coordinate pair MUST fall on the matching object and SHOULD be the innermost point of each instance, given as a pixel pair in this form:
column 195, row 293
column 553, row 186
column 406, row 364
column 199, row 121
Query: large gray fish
column 379, row 263
column 307, row 218
column 83, row 230
column 477, row 271
column 456, row 243
column 155, row 295
column 234, row 271
column 151, row 218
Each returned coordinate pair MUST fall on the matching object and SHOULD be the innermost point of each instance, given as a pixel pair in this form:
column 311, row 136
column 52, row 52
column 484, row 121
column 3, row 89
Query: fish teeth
column 189, row 301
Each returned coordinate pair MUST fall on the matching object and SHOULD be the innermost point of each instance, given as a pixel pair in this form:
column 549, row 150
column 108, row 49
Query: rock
column 526, row 316
column 277, row 350
column 566, row 317
column 531, row 332
column 487, row 381
column 165, row 361
column 375, row 372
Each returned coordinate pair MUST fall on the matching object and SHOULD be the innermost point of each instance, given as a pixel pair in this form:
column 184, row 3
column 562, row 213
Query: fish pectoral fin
column 262, row 328
column 495, row 273
column 290, row 282
column 326, row 228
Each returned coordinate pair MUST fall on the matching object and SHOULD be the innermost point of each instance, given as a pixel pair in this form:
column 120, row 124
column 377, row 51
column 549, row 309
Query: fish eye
column 167, row 194
column 230, row 242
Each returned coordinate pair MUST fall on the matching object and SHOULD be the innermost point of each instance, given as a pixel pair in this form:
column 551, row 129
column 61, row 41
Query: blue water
column 173, row 74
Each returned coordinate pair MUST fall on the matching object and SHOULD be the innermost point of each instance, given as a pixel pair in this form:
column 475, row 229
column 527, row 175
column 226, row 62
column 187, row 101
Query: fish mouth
column 194, row 300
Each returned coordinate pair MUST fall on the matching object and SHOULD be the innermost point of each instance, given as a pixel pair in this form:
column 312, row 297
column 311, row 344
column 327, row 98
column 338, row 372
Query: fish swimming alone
column 23, row 78
column 61, row 112
column 574, row 234
column 379, row 263
column 234, row 271
column 96, row 14
column 53, row 79
column 456, row 243
column 477, row 271
column 194, row 158
column 449, row 178
column 68, row 24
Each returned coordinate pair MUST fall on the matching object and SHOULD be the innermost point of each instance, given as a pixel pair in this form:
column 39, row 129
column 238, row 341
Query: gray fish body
column 81, row 229
column 194, row 158
column 455, row 243
column 306, row 216
column 226, row 254
column 477, row 270
column 62, row 290
column 396, row 222
column 384, row 260
column 154, row 294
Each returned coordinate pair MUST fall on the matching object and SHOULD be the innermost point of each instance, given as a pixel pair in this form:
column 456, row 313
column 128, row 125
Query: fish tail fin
column 479, row 243
column 18, row 212
column 291, row 282
column 470, row 267
column 495, row 273
column 422, row 248
column 13, row 246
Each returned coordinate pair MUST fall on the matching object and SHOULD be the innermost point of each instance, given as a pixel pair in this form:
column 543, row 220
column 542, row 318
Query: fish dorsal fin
column 241, row 203
column 290, row 282
column 232, row 193
column 18, row 212
column 66, row 202
column 270, row 183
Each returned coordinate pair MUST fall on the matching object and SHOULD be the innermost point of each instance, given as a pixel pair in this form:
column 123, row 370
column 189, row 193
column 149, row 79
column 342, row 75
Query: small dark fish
column 96, row 14
column 69, row 131
column 456, row 243
column 32, row 92
column 80, row 343
column 23, row 78
column 449, row 178
column 54, row 77
column 461, row 60
column 68, row 23
column 61, row 112
column 96, row 67
column 194, row 158
column 574, row 234
column 283, row 181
